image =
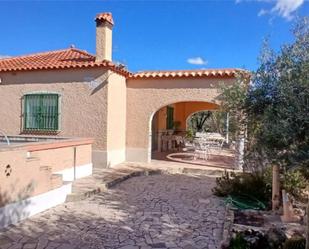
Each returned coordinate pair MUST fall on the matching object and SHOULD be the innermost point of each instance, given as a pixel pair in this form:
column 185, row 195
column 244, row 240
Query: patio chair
column 201, row 149
column 215, row 145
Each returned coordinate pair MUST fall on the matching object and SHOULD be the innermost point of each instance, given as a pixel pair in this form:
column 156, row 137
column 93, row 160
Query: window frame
column 170, row 117
column 41, row 129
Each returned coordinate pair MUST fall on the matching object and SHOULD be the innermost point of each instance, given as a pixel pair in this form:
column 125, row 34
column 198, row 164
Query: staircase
column 46, row 179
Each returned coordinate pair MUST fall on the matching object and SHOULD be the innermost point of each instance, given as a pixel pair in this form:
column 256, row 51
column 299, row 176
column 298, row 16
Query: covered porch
column 173, row 139
column 159, row 104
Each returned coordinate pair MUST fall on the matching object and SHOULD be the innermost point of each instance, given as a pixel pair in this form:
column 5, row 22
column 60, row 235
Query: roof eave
column 111, row 66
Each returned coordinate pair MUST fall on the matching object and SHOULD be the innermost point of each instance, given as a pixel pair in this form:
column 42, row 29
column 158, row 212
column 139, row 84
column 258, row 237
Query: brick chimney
column 104, row 26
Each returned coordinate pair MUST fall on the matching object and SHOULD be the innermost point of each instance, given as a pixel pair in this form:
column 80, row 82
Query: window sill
column 40, row 132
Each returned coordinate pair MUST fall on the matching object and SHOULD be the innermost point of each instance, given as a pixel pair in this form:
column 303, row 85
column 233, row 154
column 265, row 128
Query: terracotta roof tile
column 228, row 72
column 76, row 58
column 59, row 59
column 105, row 17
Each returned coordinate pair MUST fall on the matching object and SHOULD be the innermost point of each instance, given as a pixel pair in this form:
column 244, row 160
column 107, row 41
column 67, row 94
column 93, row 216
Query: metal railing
column 6, row 137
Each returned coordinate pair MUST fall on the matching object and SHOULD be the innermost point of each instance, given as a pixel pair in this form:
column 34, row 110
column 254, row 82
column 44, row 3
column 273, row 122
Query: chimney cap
column 107, row 16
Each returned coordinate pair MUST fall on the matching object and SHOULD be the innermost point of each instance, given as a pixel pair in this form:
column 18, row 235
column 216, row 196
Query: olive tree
column 234, row 100
column 276, row 105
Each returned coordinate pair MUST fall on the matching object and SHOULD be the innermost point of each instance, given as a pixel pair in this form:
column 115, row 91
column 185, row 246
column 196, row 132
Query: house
column 72, row 93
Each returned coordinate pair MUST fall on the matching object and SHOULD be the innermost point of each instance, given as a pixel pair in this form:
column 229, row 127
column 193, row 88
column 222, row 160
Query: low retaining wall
column 20, row 210
column 35, row 176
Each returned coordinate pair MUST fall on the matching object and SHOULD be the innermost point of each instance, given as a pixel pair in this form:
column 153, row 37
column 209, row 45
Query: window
column 41, row 112
column 169, row 118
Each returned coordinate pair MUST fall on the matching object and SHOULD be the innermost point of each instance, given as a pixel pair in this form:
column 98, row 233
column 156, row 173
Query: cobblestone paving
column 160, row 211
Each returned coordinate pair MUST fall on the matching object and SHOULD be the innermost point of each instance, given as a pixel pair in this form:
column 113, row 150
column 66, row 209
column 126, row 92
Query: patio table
column 170, row 142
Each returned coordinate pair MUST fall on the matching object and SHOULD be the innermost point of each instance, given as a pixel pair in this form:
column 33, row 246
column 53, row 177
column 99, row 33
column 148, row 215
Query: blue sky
column 152, row 35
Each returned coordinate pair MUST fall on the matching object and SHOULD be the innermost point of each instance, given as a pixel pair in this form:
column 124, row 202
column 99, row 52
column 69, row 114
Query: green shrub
column 239, row 242
column 250, row 239
column 259, row 184
column 295, row 243
column 294, row 182
column 251, row 184
column 189, row 134
column 305, row 172
column 224, row 184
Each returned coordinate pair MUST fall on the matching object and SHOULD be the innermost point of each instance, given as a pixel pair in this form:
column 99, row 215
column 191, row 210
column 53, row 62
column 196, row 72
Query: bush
column 251, row 184
column 189, row 134
column 295, row 243
column 250, row 239
column 239, row 242
column 224, row 184
column 295, row 182
column 305, row 172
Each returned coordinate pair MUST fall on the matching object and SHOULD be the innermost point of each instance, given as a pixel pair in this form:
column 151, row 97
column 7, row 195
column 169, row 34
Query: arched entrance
column 147, row 95
column 171, row 139
column 172, row 120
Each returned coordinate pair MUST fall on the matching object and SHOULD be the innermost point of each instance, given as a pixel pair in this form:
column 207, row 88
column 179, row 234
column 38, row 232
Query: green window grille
column 41, row 112
column 169, row 118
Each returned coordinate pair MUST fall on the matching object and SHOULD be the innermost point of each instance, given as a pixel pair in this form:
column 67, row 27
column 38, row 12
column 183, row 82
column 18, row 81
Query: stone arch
column 182, row 110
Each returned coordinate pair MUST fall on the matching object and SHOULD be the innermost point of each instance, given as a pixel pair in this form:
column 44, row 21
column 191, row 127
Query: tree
column 234, row 100
column 279, row 101
column 280, row 104
column 276, row 105
column 197, row 120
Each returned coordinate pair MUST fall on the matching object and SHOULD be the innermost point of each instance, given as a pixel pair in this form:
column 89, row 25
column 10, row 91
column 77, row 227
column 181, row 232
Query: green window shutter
column 170, row 118
column 41, row 112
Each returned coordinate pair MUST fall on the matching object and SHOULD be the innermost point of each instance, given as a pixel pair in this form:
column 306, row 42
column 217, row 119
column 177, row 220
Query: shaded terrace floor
column 225, row 159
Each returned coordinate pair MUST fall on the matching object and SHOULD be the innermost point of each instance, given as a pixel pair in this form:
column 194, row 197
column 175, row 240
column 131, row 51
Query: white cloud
column 4, row 56
column 197, row 61
column 283, row 8
column 286, row 8
column 263, row 12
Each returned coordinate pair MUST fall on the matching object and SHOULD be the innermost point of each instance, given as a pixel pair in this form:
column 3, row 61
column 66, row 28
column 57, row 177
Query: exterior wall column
column 116, row 120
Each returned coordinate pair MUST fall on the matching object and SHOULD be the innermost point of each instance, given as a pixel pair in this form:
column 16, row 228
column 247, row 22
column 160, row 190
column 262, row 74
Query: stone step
column 56, row 180
column 206, row 172
column 46, row 168
column 32, row 158
column 85, row 193
column 32, row 161
column 103, row 179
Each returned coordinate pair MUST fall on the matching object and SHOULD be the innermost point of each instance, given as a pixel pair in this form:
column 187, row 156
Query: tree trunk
column 240, row 143
column 240, row 148
column 307, row 225
column 275, row 188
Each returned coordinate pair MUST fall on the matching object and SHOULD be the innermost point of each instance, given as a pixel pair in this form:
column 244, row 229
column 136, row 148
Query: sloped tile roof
column 76, row 58
column 107, row 16
column 228, row 72
column 58, row 59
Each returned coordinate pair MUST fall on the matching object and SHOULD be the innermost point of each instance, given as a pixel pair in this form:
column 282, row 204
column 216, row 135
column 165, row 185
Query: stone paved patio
column 158, row 211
